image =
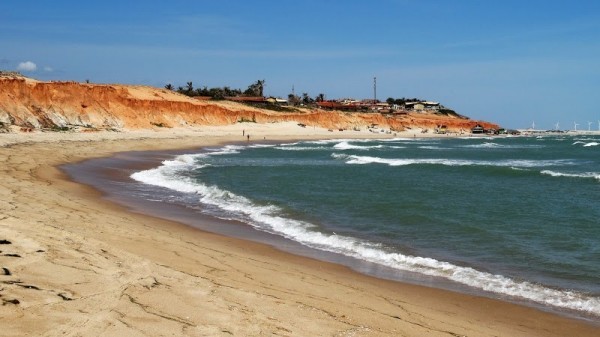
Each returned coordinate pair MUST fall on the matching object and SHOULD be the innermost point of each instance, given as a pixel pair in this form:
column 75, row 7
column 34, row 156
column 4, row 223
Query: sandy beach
column 75, row 264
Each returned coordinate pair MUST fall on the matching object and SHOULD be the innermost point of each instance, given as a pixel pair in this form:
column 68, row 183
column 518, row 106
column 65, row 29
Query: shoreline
column 117, row 268
column 111, row 175
column 101, row 173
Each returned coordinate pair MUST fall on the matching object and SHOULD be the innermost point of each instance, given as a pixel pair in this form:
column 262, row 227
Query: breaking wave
column 492, row 145
column 520, row 163
column 229, row 149
column 302, row 148
column 486, row 145
column 270, row 218
column 345, row 145
column 585, row 175
column 586, row 144
column 431, row 147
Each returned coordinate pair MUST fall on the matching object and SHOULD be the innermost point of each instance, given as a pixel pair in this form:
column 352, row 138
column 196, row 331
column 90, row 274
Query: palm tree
column 293, row 99
column 261, row 86
column 169, row 86
column 255, row 89
column 306, row 99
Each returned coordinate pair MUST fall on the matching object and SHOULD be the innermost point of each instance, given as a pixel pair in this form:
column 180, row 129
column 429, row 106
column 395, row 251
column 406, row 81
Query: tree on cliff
column 202, row 91
column 306, row 100
column 216, row 93
column 255, row 89
column 293, row 100
column 188, row 90
column 399, row 101
column 320, row 97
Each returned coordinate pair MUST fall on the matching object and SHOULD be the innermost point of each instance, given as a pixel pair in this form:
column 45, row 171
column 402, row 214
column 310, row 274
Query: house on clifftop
column 422, row 106
column 477, row 129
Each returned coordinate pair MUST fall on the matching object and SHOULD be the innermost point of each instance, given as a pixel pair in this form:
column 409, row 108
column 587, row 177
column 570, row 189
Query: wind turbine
column 557, row 126
column 575, row 123
column 533, row 125
column 589, row 126
column 598, row 125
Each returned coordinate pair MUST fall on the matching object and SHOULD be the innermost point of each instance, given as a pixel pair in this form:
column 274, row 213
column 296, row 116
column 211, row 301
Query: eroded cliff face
column 30, row 104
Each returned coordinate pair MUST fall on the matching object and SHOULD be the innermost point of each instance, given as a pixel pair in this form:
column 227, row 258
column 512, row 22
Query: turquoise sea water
column 518, row 217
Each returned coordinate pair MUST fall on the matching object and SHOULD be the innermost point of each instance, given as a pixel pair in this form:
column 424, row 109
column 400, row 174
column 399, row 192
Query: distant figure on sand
column 248, row 137
column 243, row 132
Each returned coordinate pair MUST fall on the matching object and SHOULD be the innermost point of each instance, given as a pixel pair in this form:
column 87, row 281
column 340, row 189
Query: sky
column 514, row 63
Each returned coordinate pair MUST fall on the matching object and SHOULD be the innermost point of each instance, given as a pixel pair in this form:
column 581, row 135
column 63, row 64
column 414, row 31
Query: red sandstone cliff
column 32, row 104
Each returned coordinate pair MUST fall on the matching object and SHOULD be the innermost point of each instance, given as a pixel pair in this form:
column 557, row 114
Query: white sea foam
column 486, row 145
column 363, row 160
column 229, row 149
column 268, row 218
column 360, row 140
column 586, row 175
column 260, row 146
column 431, row 147
column 326, row 141
column 340, row 144
column 289, row 144
column 345, row 145
column 586, row 143
column 302, row 148
column 492, row 145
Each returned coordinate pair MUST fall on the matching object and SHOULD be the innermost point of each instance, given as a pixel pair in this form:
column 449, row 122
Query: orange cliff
column 28, row 104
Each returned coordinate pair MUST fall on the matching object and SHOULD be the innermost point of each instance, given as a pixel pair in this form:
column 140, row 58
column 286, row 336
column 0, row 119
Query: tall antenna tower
column 374, row 90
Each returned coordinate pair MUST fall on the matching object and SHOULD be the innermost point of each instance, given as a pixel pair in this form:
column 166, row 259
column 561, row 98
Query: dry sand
column 78, row 265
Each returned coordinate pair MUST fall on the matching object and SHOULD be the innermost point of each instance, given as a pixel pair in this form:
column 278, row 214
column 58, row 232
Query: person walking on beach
column 248, row 137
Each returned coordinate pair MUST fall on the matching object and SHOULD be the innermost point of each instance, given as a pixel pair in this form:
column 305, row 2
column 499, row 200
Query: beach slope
column 75, row 264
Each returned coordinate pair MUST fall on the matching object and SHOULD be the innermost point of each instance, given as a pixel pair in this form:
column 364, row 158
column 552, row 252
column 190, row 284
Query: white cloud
column 27, row 66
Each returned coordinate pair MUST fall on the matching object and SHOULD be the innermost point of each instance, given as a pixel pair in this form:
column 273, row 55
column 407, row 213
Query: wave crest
column 586, row 175
column 363, row 160
column 269, row 218
column 347, row 146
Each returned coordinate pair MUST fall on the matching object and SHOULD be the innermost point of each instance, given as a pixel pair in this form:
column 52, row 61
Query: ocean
column 516, row 218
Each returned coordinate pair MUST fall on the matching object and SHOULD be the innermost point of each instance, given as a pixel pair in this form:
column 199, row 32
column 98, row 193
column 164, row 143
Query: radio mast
column 374, row 90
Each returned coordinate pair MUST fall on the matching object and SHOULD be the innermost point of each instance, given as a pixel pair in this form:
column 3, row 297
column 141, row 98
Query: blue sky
column 510, row 62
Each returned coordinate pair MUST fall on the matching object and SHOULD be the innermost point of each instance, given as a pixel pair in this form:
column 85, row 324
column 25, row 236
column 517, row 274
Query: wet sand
column 73, row 263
